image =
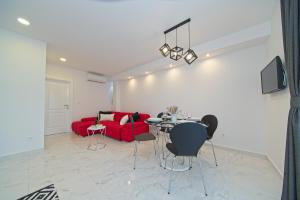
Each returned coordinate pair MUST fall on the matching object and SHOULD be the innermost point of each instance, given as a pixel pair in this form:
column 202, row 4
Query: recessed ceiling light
column 63, row 59
column 147, row 72
column 207, row 55
column 23, row 21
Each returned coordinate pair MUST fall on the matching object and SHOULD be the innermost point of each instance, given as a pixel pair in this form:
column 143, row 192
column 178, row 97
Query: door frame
column 62, row 80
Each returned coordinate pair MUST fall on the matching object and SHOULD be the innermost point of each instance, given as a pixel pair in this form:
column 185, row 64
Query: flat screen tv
column 273, row 77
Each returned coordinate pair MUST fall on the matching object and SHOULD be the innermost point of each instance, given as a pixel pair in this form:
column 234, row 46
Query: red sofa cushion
column 87, row 119
column 139, row 128
column 143, row 117
column 136, row 124
column 113, row 129
column 80, row 127
column 75, row 126
column 118, row 115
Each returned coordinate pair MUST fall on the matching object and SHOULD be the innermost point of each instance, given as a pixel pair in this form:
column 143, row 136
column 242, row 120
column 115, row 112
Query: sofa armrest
column 87, row 119
column 136, row 124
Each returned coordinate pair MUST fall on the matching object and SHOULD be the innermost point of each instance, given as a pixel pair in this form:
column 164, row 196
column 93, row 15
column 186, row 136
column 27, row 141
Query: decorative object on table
column 212, row 123
column 154, row 119
column 164, row 115
column 46, row 193
column 173, row 111
column 186, row 141
column 183, row 115
column 174, row 118
column 94, row 128
column 176, row 53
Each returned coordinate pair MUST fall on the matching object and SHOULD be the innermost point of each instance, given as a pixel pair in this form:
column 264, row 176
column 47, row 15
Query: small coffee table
column 92, row 129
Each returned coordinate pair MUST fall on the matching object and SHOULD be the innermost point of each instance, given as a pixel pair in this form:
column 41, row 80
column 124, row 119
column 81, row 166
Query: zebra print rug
column 46, row 193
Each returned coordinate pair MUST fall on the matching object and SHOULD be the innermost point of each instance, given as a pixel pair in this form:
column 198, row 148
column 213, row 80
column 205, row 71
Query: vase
column 173, row 118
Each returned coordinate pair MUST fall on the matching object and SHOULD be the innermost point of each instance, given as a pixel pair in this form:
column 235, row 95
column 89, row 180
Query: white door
column 57, row 119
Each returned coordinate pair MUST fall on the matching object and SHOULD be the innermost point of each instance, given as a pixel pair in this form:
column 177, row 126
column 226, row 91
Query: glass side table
column 91, row 130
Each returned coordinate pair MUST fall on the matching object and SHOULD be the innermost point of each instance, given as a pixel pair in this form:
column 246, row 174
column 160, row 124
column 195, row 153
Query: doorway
column 57, row 107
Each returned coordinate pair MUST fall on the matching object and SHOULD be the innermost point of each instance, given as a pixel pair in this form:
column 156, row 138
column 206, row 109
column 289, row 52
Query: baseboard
column 3, row 156
column 252, row 153
column 275, row 166
column 264, row 156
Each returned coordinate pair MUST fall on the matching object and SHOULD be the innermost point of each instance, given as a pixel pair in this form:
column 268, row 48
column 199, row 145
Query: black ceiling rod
column 177, row 25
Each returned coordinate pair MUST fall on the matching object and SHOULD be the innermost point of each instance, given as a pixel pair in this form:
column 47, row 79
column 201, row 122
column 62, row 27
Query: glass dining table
column 162, row 128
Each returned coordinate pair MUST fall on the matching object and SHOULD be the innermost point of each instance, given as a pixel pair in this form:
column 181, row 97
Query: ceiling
column 112, row 36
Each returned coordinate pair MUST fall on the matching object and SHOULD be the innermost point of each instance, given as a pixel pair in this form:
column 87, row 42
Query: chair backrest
column 212, row 122
column 160, row 115
column 188, row 138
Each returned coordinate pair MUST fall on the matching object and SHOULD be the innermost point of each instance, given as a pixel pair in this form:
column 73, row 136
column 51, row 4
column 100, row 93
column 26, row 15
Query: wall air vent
column 95, row 77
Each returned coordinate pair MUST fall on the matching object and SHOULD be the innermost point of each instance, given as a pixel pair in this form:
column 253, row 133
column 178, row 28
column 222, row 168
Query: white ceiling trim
column 242, row 39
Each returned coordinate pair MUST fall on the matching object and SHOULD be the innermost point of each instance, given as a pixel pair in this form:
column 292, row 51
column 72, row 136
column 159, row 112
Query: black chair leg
column 190, row 163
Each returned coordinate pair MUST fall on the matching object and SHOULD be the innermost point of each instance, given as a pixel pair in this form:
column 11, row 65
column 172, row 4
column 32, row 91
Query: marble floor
column 107, row 174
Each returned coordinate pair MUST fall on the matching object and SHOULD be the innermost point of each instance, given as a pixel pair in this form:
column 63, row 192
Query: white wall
column 22, row 80
column 227, row 86
column 277, row 104
column 88, row 97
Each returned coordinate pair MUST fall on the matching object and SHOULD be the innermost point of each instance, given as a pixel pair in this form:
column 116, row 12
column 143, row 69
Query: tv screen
column 273, row 77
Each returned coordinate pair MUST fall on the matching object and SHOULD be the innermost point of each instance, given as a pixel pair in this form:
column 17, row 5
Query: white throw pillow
column 124, row 120
column 107, row 117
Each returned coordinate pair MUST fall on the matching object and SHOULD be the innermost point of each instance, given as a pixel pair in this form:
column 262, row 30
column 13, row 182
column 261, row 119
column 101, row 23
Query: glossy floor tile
column 78, row 173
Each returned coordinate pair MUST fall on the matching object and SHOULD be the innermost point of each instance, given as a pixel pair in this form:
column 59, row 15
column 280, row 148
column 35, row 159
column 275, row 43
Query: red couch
column 113, row 128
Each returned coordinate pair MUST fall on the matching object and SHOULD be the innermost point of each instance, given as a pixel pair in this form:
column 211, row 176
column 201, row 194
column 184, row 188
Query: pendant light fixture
column 165, row 49
column 190, row 55
column 177, row 52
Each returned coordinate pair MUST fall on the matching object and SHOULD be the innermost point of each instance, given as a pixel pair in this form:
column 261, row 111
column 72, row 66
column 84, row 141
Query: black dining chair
column 159, row 115
column 141, row 138
column 186, row 141
column 212, row 123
